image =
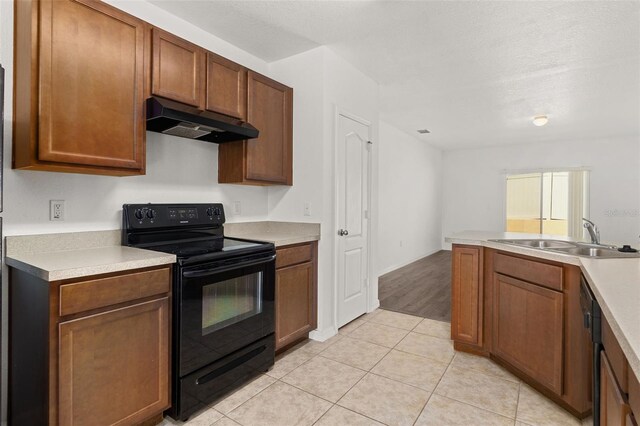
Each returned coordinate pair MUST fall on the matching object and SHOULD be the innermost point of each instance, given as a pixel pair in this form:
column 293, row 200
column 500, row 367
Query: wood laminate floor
column 422, row 288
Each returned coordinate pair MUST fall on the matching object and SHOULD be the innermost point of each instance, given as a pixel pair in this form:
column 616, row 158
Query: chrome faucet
column 594, row 232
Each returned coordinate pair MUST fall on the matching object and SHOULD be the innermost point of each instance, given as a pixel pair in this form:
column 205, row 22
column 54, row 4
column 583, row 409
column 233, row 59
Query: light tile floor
column 384, row 368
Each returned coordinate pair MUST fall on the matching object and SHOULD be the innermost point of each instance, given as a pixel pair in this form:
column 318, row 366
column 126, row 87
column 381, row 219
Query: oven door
column 224, row 306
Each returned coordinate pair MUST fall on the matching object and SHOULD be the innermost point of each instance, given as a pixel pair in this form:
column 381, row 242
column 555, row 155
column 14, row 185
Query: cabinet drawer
column 293, row 255
column 634, row 394
column 543, row 274
column 616, row 357
column 86, row 295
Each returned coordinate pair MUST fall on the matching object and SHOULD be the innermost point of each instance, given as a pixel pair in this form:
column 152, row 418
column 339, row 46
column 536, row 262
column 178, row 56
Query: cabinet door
column 91, row 85
column 226, row 87
column 528, row 329
column 178, row 69
column 113, row 367
column 466, row 295
column 613, row 408
column 270, row 110
column 295, row 303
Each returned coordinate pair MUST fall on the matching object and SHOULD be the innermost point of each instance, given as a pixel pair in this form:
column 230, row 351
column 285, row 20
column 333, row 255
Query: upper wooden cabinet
column 83, row 70
column 178, row 69
column 79, row 83
column 268, row 159
column 226, row 87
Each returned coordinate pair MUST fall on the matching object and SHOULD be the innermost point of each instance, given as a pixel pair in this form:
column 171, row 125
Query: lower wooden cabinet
column 524, row 313
column 466, row 297
column 80, row 354
column 619, row 386
column 528, row 329
column 296, row 292
column 613, row 407
column 113, row 367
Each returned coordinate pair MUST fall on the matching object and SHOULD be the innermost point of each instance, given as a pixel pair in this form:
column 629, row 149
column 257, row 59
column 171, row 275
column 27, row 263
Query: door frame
column 336, row 242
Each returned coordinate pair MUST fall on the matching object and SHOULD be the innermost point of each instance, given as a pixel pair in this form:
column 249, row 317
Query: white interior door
column 352, row 168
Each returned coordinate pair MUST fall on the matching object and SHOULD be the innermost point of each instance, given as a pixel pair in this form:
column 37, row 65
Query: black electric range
column 223, row 299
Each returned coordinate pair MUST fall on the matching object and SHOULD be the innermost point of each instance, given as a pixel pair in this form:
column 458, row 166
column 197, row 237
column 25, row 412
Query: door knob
column 343, row 232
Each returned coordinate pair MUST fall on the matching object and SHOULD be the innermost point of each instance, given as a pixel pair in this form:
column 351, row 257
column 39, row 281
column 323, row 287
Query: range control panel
column 150, row 216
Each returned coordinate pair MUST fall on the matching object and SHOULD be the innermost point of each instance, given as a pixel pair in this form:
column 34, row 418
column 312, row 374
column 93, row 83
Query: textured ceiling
column 473, row 73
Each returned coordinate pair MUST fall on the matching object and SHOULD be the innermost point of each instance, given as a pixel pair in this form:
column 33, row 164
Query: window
column 551, row 203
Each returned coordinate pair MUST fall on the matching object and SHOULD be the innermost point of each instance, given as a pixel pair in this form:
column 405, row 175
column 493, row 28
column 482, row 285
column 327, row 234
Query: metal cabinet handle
column 343, row 232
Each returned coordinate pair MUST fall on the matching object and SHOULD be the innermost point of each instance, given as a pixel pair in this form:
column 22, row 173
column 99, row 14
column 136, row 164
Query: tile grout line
column 451, row 366
column 515, row 417
column 435, row 387
column 318, row 396
column 314, row 355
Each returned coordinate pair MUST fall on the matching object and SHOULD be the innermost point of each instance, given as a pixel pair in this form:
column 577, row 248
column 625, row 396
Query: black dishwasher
column 592, row 316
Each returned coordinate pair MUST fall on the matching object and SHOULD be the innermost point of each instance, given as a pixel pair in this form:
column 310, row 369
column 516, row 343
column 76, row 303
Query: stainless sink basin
column 572, row 248
column 589, row 251
column 541, row 244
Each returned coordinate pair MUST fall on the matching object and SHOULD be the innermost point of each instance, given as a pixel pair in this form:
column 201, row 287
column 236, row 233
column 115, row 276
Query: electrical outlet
column 307, row 208
column 237, row 208
column 56, row 210
column 400, row 243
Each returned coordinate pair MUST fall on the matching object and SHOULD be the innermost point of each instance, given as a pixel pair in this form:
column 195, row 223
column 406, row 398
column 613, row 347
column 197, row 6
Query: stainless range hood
column 177, row 119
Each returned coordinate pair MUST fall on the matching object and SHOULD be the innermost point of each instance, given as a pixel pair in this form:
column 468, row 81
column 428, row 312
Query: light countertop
column 278, row 233
column 614, row 282
column 54, row 257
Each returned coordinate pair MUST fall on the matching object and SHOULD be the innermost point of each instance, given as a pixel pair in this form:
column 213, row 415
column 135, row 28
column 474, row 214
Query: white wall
column 323, row 82
column 304, row 72
column 474, row 188
column 178, row 170
column 410, row 196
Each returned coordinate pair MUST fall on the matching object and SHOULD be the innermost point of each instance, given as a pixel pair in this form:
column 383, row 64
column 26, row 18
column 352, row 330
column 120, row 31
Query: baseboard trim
column 375, row 306
column 323, row 334
column 401, row 265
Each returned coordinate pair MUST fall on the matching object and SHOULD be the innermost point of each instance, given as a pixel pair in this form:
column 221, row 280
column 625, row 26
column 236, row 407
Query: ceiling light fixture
column 540, row 120
column 423, row 131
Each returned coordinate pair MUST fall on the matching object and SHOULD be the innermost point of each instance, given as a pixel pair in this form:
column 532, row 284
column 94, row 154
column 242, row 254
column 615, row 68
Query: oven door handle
column 205, row 272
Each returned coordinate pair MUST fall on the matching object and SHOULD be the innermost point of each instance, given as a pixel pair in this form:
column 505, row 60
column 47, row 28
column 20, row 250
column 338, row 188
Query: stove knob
column 217, row 212
column 151, row 214
column 210, row 211
column 138, row 214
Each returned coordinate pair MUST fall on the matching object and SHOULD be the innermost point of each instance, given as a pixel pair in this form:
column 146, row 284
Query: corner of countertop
column 276, row 232
column 54, row 257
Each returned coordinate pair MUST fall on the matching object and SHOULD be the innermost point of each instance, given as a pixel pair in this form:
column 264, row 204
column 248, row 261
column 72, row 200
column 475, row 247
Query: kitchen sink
column 572, row 248
column 590, row 251
column 540, row 244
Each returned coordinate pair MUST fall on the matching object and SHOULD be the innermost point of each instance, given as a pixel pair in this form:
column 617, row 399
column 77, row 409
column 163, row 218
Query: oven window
column 231, row 301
